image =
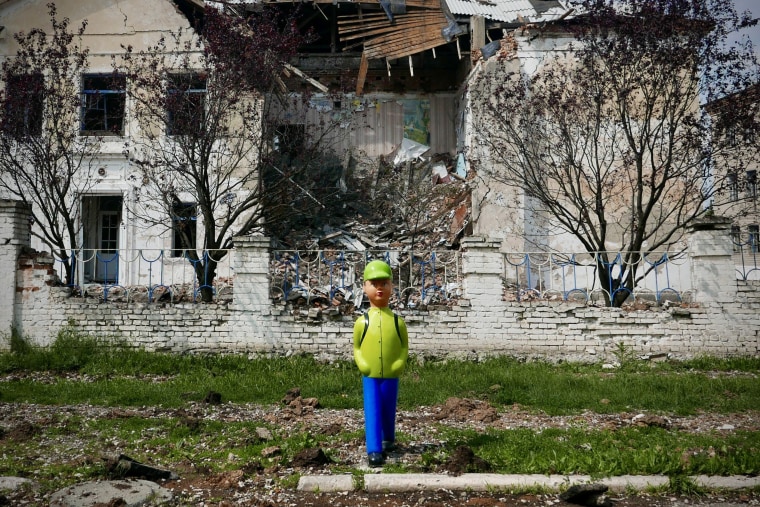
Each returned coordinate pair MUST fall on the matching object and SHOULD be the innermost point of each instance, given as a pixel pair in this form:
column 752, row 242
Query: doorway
column 101, row 237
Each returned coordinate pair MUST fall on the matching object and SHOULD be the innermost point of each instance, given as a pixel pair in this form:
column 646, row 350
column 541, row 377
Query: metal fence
column 145, row 275
column 746, row 257
column 335, row 277
column 660, row 276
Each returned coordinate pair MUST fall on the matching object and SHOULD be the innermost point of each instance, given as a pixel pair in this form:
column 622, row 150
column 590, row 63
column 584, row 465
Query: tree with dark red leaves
column 609, row 142
column 203, row 135
column 45, row 162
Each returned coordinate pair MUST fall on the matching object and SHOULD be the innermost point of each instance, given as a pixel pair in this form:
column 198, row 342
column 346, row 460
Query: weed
column 625, row 357
column 290, row 481
column 19, row 344
column 683, row 485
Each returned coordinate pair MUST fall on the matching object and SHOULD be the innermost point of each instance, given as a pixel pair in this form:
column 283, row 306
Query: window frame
column 193, row 121
column 736, row 237
column 753, row 237
column 732, row 183
column 106, row 94
column 31, row 106
column 731, row 136
column 750, row 186
column 184, row 212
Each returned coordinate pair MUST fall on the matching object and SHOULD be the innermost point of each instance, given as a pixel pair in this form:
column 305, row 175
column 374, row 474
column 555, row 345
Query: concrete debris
column 409, row 200
column 269, row 452
column 422, row 204
column 264, row 434
column 98, row 493
column 652, row 421
column 122, row 466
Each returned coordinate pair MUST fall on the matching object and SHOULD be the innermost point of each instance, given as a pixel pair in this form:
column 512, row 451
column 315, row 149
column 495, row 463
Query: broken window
column 748, row 135
column 736, row 237
column 184, row 230
column 733, row 187
column 751, row 187
column 185, row 104
column 103, row 99
column 754, row 238
column 23, row 104
column 731, row 135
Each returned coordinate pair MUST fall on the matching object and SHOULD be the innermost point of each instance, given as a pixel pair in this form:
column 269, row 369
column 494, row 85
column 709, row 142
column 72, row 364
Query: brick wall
column 723, row 322
column 15, row 235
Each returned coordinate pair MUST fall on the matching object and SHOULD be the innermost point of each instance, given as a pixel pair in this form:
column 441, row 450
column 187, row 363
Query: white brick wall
column 551, row 332
column 482, row 325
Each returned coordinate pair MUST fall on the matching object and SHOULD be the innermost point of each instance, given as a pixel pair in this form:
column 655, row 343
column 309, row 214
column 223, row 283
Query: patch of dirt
column 254, row 484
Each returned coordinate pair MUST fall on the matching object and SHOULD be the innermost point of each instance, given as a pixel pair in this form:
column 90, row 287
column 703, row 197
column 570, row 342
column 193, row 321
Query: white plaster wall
column 110, row 24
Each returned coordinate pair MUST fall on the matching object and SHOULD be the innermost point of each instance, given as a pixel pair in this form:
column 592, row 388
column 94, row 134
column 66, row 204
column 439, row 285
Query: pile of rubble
column 409, row 201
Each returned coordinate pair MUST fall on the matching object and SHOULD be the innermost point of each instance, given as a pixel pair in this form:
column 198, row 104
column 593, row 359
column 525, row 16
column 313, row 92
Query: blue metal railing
column 575, row 276
column 746, row 257
column 145, row 275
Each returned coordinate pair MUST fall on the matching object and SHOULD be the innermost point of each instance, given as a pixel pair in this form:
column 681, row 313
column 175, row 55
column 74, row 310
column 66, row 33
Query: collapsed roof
column 393, row 29
column 510, row 11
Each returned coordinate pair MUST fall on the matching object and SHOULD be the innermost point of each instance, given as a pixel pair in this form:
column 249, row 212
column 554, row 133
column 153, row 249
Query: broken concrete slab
column 326, row 483
column 123, row 466
column 134, row 492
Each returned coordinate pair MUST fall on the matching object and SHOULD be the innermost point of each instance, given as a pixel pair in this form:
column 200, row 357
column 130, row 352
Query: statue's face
column 378, row 292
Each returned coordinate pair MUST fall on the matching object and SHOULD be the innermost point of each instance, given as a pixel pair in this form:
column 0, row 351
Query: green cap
column 377, row 270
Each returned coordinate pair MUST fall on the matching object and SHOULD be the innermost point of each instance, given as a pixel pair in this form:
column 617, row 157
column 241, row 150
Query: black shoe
column 389, row 446
column 375, row 459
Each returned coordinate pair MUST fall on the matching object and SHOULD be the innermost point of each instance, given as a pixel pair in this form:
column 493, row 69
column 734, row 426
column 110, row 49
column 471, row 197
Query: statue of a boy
column 381, row 348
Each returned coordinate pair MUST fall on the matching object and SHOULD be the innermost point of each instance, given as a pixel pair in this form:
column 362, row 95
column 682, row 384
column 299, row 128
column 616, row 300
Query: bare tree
column 608, row 141
column 47, row 160
column 203, row 138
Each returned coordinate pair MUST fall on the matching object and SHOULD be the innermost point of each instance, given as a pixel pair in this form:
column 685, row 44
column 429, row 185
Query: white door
column 107, row 258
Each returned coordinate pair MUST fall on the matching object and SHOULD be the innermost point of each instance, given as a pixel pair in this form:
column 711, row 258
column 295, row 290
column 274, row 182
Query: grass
column 636, row 451
column 121, row 376
column 555, row 390
column 112, row 374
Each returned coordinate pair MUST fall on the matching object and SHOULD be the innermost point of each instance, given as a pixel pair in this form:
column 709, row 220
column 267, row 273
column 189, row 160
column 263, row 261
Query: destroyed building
column 387, row 84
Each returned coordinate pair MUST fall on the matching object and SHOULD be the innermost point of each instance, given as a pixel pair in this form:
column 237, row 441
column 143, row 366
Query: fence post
column 713, row 274
column 15, row 235
column 483, row 268
column 252, row 315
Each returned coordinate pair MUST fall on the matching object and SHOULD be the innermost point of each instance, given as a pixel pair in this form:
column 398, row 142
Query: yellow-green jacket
column 380, row 346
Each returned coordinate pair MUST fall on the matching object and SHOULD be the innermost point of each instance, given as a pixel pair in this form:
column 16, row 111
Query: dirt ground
column 253, row 485
column 217, row 491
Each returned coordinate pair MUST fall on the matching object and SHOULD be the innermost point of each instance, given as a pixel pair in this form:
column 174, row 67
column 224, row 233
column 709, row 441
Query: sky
column 754, row 32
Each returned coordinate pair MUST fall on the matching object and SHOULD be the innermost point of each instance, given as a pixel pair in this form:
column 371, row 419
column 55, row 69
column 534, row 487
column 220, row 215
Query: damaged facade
column 393, row 82
column 391, row 88
column 738, row 196
column 386, row 84
column 103, row 224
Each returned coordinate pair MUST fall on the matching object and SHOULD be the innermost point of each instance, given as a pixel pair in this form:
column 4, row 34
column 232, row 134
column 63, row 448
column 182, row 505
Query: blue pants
column 380, row 397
